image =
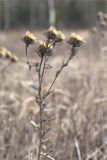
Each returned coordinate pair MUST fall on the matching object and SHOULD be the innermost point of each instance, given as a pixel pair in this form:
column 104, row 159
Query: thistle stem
column 40, row 76
column 64, row 64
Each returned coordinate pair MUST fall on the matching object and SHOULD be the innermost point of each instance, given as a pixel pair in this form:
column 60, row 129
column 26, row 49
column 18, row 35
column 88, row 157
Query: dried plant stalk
column 45, row 49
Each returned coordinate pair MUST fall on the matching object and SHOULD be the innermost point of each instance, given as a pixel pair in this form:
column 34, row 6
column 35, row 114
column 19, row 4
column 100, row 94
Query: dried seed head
column 3, row 52
column 51, row 33
column 14, row 58
column 59, row 37
column 44, row 48
column 41, row 48
column 49, row 49
column 50, row 46
column 8, row 54
column 28, row 38
column 75, row 40
column 105, row 17
column 103, row 24
column 100, row 16
column 55, row 35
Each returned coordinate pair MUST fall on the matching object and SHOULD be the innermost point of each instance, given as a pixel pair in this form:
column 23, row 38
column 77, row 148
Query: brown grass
column 79, row 104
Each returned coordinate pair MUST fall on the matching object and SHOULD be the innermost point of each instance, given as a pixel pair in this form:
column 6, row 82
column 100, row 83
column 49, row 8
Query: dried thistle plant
column 98, row 35
column 45, row 49
column 101, row 26
column 11, row 57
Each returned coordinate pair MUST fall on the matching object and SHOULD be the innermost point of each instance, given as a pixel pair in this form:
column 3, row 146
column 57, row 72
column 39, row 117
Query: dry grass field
column 79, row 103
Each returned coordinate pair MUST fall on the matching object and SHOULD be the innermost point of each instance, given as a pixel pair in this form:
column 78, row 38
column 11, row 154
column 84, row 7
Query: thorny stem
column 28, row 58
column 40, row 101
column 40, row 76
column 40, row 97
column 45, row 59
column 28, row 63
column 40, row 132
column 27, row 54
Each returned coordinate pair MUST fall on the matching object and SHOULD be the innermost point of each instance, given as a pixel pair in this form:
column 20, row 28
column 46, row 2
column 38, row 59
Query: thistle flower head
column 75, row 40
column 44, row 48
column 28, row 38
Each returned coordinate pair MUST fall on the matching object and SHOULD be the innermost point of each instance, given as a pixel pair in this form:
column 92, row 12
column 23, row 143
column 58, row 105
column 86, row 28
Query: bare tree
column 6, row 4
column 0, row 14
column 32, row 13
column 52, row 12
column 89, row 10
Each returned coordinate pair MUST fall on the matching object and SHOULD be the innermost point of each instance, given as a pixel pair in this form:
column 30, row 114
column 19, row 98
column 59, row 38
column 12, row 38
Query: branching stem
column 64, row 64
column 40, row 97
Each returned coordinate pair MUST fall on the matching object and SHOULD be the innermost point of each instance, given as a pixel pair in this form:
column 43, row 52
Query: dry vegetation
column 79, row 104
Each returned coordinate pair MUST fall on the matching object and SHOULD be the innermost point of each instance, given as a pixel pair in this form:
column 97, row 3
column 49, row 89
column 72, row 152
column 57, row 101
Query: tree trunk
column 90, row 11
column 32, row 13
column 1, row 14
column 6, row 4
column 52, row 12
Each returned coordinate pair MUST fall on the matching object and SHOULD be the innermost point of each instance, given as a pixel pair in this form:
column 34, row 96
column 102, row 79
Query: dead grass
column 79, row 104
